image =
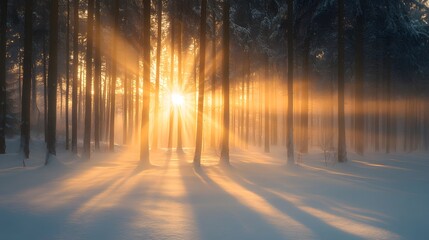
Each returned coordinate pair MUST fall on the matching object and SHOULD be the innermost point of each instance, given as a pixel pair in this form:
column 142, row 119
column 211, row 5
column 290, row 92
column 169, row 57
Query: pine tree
column 75, row 73
column 88, row 81
column 114, row 62
column 199, row 138
column 157, row 75
column 97, row 75
column 52, row 81
column 342, row 155
column 26, row 82
column 224, row 157
column 144, row 147
column 290, row 46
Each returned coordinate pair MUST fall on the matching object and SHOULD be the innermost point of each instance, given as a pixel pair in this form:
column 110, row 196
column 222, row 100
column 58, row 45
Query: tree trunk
column 342, row 154
column 179, row 77
column 3, row 21
column 114, row 60
column 224, row 157
column 157, row 76
column 171, row 122
column 247, row 123
column 213, row 84
column 267, row 107
column 52, row 81
column 304, row 104
column 290, row 46
column 67, row 75
column 97, row 75
column 26, row 82
column 144, row 148
column 359, row 81
column 75, row 73
column 88, row 81
column 199, row 137
column 387, row 91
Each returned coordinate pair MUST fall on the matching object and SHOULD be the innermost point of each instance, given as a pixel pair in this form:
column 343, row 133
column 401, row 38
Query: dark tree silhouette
column 144, row 148
column 224, row 157
column 342, row 155
column 26, row 81
column 114, row 62
column 290, row 64
column 88, row 81
column 97, row 74
column 75, row 73
column 52, row 81
column 199, row 138
column 157, row 74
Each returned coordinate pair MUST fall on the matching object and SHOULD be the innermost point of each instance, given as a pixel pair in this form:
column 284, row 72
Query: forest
column 214, row 119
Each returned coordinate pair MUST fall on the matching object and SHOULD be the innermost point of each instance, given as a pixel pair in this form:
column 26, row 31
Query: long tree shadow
column 217, row 213
column 325, row 224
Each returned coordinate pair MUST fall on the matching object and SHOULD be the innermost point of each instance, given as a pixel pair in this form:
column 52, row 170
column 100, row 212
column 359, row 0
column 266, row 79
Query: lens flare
column 177, row 99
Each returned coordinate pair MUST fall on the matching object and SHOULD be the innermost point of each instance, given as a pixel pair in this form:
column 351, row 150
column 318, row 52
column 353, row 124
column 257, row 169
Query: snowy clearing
column 378, row 197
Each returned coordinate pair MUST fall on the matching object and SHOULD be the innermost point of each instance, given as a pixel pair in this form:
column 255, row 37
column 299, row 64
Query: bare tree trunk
column 67, row 75
column 199, row 137
column 179, row 77
column 157, row 75
column 88, row 81
column 97, row 75
column 342, row 154
column 305, row 105
column 125, row 109
column 247, row 97
column 267, row 107
column 144, row 147
column 114, row 60
column 290, row 46
column 213, row 83
column 224, row 157
column 75, row 73
column 359, row 81
column 26, row 83
column 52, row 81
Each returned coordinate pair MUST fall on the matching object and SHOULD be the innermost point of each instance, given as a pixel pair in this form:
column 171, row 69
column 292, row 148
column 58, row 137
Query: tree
column 26, row 83
column 180, row 74
column 224, row 157
column 172, row 43
column 67, row 74
column 267, row 106
column 52, row 81
column 157, row 74
column 305, row 90
column 75, row 73
column 88, row 81
column 199, row 138
column 97, row 75
column 114, row 62
column 144, row 147
column 359, row 80
column 342, row 154
column 290, row 64
column 213, row 83
column 3, row 23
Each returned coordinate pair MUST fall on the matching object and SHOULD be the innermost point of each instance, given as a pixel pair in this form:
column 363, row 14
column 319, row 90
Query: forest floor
column 260, row 197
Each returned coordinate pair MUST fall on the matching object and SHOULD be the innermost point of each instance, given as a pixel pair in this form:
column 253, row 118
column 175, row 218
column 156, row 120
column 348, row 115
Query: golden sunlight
column 177, row 99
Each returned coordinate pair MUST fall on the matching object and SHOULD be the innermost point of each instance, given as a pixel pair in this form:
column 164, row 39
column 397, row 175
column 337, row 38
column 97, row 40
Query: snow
column 378, row 196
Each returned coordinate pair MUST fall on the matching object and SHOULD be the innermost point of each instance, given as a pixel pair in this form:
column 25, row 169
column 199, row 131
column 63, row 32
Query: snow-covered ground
column 260, row 197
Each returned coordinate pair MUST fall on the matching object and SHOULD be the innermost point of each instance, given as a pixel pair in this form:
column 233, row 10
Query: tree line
column 337, row 75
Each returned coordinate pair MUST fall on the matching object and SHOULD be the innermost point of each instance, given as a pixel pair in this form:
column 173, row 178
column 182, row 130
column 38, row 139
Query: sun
column 177, row 99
